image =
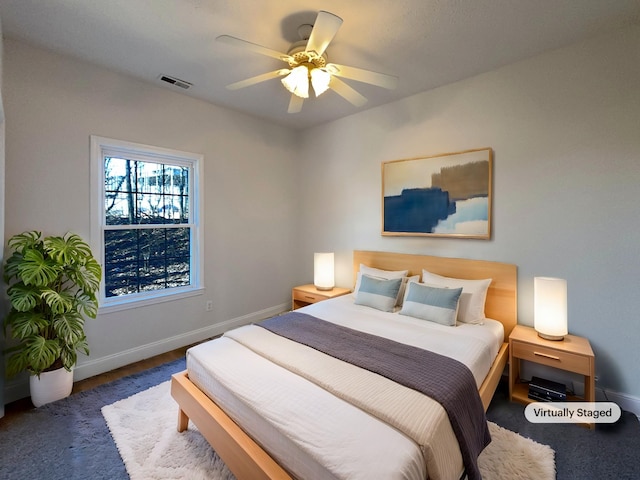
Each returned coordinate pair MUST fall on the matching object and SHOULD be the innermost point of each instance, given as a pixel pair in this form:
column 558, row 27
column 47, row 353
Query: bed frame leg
column 183, row 421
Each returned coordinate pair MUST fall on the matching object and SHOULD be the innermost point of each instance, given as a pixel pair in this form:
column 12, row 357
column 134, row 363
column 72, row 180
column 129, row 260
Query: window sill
column 152, row 299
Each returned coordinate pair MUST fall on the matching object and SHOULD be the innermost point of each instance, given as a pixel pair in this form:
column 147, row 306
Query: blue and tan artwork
column 444, row 195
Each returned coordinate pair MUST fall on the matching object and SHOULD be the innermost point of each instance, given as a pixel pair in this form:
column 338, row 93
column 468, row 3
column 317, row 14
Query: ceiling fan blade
column 325, row 28
column 257, row 79
column 366, row 76
column 254, row 47
column 295, row 104
column 346, row 92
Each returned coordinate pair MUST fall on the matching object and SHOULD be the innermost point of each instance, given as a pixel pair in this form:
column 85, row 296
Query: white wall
column 565, row 131
column 53, row 104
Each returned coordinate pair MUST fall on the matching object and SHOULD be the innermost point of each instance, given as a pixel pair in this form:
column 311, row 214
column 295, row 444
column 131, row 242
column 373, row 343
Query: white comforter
column 318, row 434
column 474, row 345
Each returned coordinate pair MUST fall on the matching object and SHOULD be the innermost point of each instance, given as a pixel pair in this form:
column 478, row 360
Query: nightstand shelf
column 573, row 354
column 304, row 295
column 520, row 394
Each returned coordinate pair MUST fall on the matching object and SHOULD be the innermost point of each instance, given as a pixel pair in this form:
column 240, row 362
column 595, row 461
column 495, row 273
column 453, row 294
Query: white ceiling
column 426, row 43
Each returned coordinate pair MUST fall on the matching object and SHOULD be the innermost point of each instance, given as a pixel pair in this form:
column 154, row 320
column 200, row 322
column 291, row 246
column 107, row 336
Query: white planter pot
column 51, row 386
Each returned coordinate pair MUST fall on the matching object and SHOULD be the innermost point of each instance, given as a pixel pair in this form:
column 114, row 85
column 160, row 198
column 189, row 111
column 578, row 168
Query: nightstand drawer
column 307, row 296
column 552, row 357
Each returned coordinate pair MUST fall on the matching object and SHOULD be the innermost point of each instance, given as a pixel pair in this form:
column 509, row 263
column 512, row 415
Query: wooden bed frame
column 247, row 460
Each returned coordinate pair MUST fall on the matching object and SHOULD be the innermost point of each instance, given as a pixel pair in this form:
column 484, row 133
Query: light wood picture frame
column 446, row 195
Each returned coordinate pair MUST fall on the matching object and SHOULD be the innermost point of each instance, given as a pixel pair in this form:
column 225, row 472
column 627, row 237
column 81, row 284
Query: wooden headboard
column 502, row 296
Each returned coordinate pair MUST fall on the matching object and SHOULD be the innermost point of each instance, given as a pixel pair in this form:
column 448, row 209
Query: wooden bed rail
column 244, row 457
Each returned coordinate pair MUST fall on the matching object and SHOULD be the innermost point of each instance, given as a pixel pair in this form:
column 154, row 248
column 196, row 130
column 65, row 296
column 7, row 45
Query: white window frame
column 101, row 147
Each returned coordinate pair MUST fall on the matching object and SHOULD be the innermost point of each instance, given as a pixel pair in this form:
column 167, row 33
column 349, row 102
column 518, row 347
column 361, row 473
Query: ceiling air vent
column 176, row 81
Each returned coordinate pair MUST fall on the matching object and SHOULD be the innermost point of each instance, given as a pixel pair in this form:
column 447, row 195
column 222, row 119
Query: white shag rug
column 144, row 429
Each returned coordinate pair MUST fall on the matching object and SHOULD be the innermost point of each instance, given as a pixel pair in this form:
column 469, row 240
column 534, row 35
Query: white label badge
column 572, row 412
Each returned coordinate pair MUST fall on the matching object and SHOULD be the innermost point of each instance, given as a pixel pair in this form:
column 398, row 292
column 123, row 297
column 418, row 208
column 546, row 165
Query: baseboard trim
column 19, row 387
column 624, row 401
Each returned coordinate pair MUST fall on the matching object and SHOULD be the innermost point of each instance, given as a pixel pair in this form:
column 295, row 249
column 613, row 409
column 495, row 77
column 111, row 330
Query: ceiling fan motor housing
column 299, row 55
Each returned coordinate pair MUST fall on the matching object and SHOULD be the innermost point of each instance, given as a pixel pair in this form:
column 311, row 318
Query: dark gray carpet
column 611, row 451
column 69, row 439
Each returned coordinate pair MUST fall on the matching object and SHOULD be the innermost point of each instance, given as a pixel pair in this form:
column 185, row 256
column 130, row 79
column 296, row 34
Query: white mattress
column 321, row 436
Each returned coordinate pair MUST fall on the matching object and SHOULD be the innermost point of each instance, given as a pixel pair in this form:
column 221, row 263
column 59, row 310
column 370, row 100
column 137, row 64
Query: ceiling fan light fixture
column 320, row 80
column 297, row 82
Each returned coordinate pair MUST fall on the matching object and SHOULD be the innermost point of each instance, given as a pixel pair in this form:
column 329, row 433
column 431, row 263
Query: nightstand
column 304, row 295
column 573, row 354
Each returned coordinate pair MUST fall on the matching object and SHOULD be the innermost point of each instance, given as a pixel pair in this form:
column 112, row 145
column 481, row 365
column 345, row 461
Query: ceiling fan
column 307, row 63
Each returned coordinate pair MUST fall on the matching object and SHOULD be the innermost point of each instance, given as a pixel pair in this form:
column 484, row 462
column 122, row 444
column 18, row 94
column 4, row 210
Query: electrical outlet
column 208, row 306
column 596, row 378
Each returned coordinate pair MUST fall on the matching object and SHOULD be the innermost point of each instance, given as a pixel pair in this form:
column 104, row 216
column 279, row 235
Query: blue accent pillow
column 378, row 293
column 439, row 305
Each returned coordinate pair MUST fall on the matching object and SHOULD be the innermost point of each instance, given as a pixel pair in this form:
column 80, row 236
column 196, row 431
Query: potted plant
column 52, row 288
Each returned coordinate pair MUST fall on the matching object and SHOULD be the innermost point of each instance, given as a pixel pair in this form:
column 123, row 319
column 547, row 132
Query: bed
column 263, row 444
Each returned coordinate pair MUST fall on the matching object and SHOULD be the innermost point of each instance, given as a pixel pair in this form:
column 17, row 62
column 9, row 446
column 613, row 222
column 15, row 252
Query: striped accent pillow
column 383, row 274
column 472, row 300
column 378, row 293
column 439, row 305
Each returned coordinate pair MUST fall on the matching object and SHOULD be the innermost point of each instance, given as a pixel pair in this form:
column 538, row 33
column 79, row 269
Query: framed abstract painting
column 447, row 195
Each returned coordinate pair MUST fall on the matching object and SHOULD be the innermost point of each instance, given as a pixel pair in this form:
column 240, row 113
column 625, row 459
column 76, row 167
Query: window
column 146, row 208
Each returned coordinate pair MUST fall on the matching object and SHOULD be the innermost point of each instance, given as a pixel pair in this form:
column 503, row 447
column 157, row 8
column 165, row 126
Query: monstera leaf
column 42, row 352
column 87, row 276
column 26, row 324
column 23, row 298
column 68, row 249
column 25, row 241
column 58, row 302
column 37, row 270
column 69, row 328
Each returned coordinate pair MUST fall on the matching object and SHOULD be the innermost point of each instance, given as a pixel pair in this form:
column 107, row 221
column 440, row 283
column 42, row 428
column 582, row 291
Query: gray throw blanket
column 444, row 379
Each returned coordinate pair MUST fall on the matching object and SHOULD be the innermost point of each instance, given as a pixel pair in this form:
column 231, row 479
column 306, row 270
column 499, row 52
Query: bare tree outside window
column 147, row 233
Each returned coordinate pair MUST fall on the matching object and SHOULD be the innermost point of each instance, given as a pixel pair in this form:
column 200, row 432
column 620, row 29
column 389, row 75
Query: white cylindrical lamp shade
column 323, row 274
column 550, row 307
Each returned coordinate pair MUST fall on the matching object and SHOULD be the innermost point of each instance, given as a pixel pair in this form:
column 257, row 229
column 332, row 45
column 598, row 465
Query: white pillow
column 438, row 305
column 382, row 274
column 474, row 294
